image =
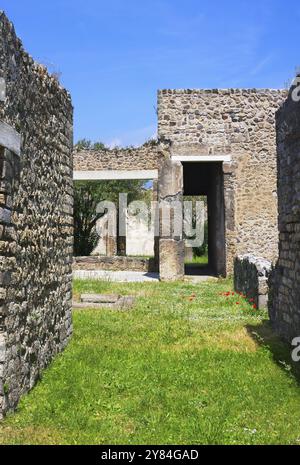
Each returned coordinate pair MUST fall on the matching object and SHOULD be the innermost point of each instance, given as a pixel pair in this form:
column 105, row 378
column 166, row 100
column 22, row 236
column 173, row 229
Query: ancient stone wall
column 239, row 123
column 146, row 157
column 116, row 263
column 35, row 220
column 284, row 300
column 251, row 278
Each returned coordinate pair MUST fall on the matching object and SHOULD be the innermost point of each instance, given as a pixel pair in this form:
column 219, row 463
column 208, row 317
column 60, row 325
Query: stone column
column 171, row 243
column 156, row 237
column 229, row 203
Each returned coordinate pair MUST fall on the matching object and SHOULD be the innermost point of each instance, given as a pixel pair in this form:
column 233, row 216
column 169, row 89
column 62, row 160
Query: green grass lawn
column 186, row 365
column 201, row 260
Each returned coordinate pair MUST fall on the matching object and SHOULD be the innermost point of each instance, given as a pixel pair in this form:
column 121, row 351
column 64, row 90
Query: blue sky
column 114, row 55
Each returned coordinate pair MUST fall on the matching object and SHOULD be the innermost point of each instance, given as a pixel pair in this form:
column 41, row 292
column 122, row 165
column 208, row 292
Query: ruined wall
column 36, row 220
column 284, row 306
column 251, row 278
column 240, row 123
column 146, row 157
column 116, row 263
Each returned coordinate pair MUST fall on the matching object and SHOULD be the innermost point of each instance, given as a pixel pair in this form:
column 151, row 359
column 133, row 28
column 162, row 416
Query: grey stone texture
column 251, row 278
column 171, row 243
column 115, row 263
column 204, row 122
column 284, row 300
column 145, row 157
column 111, row 301
column 36, row 225
column 240, row 123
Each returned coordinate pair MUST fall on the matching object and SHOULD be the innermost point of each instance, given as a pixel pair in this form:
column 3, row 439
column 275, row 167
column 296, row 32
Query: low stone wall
column 251, row 278
column 117, row 263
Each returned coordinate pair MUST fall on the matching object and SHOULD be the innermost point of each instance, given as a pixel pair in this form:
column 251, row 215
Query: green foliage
column 185, row 366
column 86, row 144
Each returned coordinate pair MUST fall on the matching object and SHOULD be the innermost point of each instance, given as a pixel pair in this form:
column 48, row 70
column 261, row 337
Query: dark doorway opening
column 206, row 179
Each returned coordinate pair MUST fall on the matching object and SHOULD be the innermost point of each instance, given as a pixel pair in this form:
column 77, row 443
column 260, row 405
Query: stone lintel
column 114, row 174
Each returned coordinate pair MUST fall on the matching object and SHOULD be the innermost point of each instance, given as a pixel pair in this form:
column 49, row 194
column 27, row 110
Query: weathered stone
column 99, row 298
column 171, row 253
column 250, row 278
column 284, row 298
column 122, row 303
column 115, row 263
column 170, row 180
column 36, row 209
column 239, row 123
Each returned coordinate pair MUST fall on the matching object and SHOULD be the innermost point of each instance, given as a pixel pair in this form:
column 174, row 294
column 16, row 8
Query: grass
column 201, row 260
column 186, row 365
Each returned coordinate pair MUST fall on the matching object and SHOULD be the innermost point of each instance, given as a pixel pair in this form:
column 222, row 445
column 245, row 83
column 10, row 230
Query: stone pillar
column 171, row 243
column 229, row 203
column 156, row 237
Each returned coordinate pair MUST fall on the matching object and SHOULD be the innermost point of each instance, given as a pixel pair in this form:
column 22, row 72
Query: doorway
column 205, row 179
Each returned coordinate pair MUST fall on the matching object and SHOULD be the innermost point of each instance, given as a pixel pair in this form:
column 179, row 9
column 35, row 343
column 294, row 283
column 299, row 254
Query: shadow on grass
column 265, row 336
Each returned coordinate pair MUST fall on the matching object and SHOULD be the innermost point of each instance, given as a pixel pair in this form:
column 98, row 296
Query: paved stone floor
column 130, row 276
column 116, row 276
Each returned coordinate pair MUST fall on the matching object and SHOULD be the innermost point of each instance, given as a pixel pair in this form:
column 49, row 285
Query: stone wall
column 145, row 157
column 251, row 278
column 36, row 195
column 116, row 263
column 284, row 307
column 240, row 123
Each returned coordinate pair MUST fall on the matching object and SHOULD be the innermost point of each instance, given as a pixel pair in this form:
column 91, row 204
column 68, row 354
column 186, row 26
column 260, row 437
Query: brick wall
column 284, row 305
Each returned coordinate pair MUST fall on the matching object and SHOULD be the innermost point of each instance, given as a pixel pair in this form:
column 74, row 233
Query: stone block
column 171, row 263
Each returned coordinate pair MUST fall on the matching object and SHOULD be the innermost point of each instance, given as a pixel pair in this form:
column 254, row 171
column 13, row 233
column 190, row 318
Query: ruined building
column 219, row 143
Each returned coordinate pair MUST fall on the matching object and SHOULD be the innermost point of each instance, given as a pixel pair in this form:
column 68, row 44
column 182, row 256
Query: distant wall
column 240, row 123
column 116, row 263
column 36, row 195
column 284, row 305
column 145, row 157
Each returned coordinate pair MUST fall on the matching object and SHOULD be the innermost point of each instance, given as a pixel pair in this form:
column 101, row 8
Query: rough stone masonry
column 206, row 123
column 36, row 195
column 284, row 301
